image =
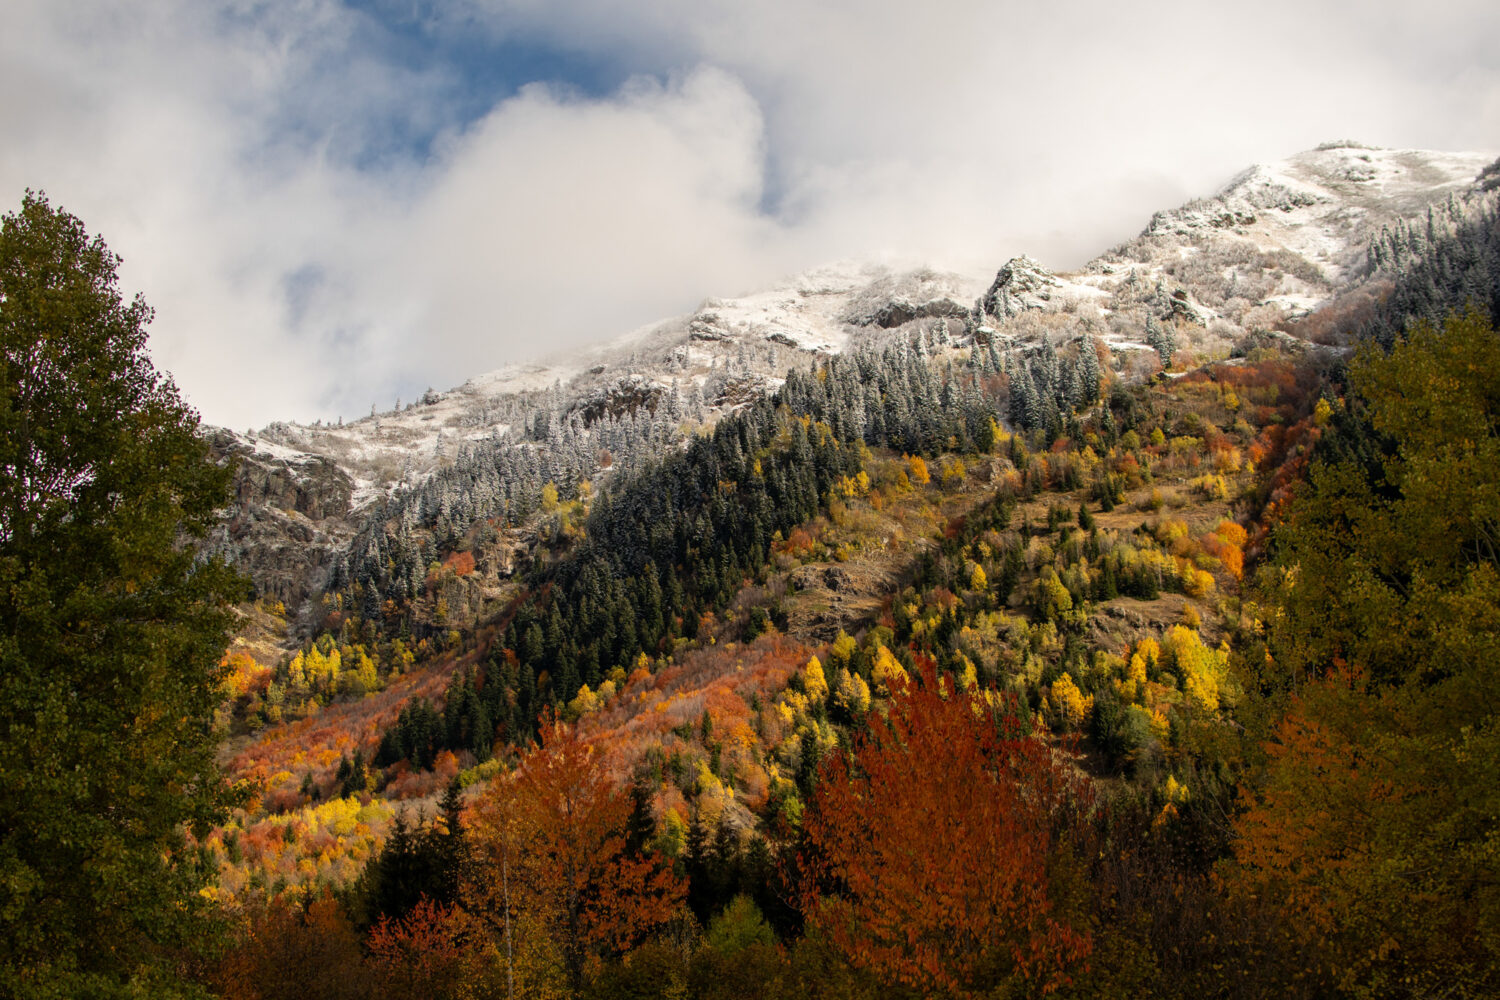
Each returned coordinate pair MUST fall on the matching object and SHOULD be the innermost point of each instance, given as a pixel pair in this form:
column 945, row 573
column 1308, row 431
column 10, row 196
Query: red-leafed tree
column 425, row 955
column 935, row 843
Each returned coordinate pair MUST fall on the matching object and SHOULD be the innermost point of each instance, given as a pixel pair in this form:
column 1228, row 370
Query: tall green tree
column 1400, row 519
column 1374, row 821
column 111, row 628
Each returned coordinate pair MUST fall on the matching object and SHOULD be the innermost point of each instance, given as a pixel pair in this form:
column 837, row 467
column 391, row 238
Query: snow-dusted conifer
column 1088, row 368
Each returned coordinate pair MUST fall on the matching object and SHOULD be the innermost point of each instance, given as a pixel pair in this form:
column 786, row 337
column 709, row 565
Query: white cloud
column 246, row 158
column 559, row 220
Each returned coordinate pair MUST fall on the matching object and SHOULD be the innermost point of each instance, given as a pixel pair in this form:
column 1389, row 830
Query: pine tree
column 1088, row 368
column 1024, row 408
column 1072, row 391
column 1162, row 340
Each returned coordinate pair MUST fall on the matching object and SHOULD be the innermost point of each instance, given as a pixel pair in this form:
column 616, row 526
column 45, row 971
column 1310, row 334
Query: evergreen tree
column 1024, row 408
column 1088, row 368
column 353, row 775
column 640, row 829
column 1160, row 341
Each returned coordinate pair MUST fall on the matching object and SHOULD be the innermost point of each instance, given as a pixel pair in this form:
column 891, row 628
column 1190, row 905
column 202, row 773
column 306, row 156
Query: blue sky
column 476, row 69
column 333, row 203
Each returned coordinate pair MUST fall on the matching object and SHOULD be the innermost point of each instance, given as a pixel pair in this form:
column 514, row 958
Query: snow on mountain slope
column 718, row 355
column 305, row 490
column 1278, row 240
column 1326, row 204
column 1283, row 235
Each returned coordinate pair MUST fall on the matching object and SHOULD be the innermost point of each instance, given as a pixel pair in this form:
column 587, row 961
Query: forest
column 953, row 668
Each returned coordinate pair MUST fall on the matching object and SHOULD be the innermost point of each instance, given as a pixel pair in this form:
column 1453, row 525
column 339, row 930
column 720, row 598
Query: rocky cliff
column 290, row 519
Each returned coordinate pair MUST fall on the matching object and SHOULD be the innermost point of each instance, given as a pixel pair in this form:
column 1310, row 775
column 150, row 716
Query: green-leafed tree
column 1373, row 824
column 1400, row 518
column 111, row 629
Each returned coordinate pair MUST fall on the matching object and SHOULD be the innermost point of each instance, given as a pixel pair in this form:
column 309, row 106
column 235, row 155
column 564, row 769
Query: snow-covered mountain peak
column 1217, row 273
column 720, row 354
column 1325, row 204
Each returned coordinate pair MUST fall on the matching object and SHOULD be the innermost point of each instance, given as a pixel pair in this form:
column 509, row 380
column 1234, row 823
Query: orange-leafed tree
column 939, row 848
column 503, row 832
column 427, row 954
column 561, row 856
column 294, row 952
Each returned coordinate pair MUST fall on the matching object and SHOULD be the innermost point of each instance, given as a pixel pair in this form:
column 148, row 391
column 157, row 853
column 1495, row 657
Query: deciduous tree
column 1373, row 823
column 425, row 955
column 563, row 858
column 112, row 631
column 933, row 843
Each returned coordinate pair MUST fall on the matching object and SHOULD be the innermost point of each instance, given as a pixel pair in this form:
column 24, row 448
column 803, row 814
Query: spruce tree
column 1088, row 368
column 1161, row 340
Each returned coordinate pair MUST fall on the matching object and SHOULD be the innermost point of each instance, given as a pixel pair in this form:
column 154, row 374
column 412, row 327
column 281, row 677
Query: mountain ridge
column 1275, row 242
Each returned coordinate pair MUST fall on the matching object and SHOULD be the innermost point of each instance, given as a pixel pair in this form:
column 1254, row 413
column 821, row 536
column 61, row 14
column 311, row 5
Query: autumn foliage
column 553, row 847
column 426, row 954
column 1373, row 822
column 462, row 563
column 933, row 843
column 290, row 951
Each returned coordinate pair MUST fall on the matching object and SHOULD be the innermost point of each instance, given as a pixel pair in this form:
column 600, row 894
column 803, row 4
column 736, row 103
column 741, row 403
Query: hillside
column 1276, row 242
column 705, row 564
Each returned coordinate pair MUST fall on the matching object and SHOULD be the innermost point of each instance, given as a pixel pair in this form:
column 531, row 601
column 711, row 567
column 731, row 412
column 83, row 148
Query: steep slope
column 1276, row 242
column 727, row 616
column 580, row 416
column 290, row 518
column 1214, row 274
column 727, row 349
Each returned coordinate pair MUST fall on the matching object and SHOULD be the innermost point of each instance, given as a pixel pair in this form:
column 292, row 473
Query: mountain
column 880, row 590
column 307, row 488
column 1275, row 243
